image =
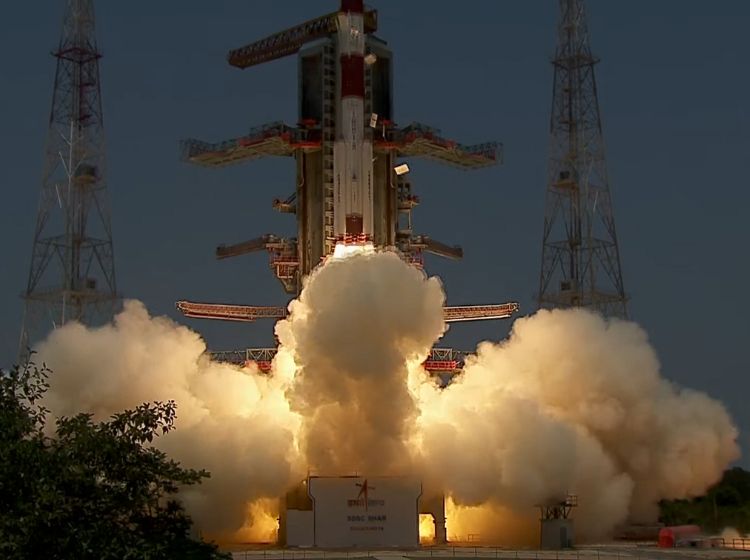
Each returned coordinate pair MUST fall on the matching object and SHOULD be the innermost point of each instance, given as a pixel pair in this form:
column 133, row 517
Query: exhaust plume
column 570, row 403
column 233, row 422
column 355, row 327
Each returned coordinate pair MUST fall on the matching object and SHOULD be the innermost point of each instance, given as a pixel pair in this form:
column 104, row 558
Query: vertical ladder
column 368, row 96
column 405, row 205
column 329, row 137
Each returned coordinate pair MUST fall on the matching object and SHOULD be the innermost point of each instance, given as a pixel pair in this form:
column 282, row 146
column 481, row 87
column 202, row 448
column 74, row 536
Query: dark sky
column 674, row 87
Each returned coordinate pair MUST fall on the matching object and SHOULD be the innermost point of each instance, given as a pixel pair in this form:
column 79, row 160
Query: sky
column 674, row 91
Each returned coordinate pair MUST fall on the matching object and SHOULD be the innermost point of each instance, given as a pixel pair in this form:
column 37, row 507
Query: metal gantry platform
column 441, row 361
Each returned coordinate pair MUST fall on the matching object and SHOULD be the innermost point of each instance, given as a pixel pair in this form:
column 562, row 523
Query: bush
column 93, row 489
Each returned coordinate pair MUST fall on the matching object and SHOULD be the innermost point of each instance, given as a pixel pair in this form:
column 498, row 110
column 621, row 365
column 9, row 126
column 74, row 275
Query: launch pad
column 351, row 511
column 352, row 195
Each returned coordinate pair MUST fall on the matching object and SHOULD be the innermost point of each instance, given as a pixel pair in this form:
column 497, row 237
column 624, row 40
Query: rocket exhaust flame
column 426, row 528
column 347, row 393
column 343, row 250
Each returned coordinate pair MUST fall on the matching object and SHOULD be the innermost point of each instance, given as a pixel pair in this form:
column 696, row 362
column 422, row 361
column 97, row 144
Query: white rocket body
column 352, row 151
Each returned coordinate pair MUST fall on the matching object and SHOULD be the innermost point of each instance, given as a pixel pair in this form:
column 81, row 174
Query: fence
column 612, row 552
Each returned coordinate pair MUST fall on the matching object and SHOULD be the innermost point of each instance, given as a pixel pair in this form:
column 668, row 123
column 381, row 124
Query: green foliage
column 727, row 504
column 92, row 490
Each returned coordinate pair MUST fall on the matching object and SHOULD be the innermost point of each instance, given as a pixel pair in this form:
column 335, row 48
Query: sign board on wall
column 365, row 511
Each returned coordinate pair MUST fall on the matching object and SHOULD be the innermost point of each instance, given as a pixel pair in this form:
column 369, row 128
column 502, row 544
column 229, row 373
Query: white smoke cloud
column 233, row 422
column 569, row 403
column 572, row 403
column 356, row 325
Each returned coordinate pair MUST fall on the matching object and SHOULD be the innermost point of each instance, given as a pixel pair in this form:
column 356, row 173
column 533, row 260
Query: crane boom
column 289, row 41
column 249, row 313
column 437, row 248
column 229, row 312
column 257, row 244
column 454, row 314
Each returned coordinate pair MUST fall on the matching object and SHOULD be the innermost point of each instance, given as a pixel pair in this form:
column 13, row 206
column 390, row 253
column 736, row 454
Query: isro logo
column 363, row 497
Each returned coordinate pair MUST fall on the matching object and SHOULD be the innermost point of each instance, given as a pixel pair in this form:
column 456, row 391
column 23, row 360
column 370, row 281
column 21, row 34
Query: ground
column 589, row 552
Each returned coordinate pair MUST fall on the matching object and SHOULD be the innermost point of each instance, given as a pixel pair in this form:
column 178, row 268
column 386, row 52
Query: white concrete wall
column 389, row 517
column 299, row 528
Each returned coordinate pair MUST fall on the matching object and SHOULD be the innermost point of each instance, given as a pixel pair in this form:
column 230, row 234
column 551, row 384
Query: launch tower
column 580, row 255
column 72, row 274
column 346, row 146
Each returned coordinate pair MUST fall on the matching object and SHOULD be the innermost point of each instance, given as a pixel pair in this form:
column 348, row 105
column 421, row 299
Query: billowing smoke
column 357, row 324
column 235, row 423
column 570, row 403
column 574, row 404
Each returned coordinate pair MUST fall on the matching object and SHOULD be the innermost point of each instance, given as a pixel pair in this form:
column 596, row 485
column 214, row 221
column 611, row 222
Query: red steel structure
column 249, row 313
column 440, row 362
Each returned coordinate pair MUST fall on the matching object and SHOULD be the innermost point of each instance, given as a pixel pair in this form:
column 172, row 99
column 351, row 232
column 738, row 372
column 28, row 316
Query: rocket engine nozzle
column 354, row 224
column 354, row 231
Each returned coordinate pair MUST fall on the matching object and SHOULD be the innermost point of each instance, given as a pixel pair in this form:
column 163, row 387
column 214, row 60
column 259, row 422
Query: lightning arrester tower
column 72, row 275
column 580, row 255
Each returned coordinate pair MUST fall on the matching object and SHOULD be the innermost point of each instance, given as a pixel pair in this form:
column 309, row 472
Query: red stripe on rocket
column 352, row 151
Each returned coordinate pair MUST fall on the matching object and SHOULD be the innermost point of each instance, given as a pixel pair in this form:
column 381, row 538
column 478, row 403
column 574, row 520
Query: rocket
column 352, row 150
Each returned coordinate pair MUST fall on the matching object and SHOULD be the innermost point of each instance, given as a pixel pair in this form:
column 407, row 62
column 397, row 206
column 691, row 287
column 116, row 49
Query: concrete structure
column 434, row 505
column 556, row 534
column 556, row 526
column 352, row 511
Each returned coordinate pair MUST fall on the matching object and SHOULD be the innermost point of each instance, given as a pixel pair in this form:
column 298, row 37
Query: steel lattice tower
column 72, row 275
column 580, row 255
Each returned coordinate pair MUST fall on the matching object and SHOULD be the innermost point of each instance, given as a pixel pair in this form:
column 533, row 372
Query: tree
column 93, row 489
column 726, row 504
